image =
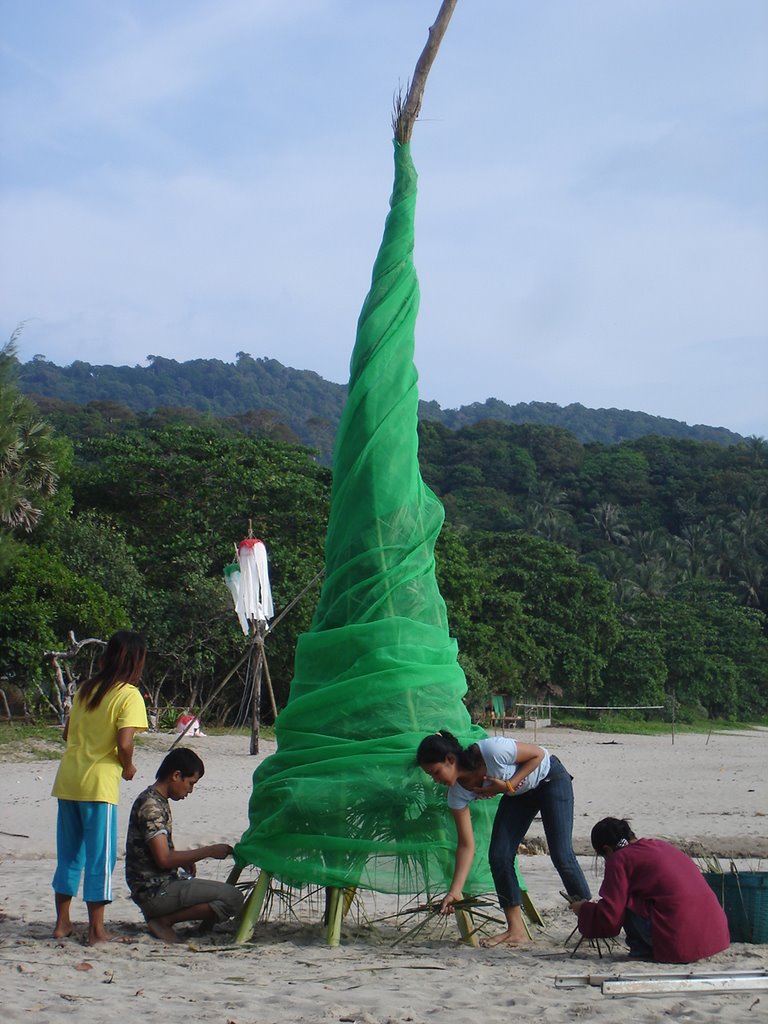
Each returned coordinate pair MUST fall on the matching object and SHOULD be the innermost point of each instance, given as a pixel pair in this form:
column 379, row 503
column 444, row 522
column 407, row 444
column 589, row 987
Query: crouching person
column 160, row 877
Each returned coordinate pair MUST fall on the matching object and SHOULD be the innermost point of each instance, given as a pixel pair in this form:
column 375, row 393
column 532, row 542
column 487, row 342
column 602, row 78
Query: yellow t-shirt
column 90, row 768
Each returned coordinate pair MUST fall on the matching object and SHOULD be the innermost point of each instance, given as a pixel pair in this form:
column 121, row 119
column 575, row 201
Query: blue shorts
column 86, row 838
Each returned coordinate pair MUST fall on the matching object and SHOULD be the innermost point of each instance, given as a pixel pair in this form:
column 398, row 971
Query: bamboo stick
column 252, row 908
column 335, row 914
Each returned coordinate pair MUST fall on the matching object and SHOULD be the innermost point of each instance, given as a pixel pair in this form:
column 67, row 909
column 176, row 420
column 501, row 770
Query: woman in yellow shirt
column 107, row 711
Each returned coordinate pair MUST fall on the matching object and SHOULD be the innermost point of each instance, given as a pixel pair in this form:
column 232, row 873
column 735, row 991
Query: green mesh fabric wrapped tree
column 342, row 803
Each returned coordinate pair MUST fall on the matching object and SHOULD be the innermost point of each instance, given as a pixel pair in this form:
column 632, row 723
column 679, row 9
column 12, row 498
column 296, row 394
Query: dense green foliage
column 27, row 456
column 264, row 397
column 630, row 573
column 153, row 519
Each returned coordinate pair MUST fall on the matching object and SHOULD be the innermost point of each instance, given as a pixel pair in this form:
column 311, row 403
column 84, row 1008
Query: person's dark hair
column 436, row 748
column 183, row 760
column 122, row 662
column 613, row 832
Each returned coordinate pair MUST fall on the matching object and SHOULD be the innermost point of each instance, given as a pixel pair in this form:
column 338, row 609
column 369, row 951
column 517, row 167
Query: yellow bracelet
column 510, row 787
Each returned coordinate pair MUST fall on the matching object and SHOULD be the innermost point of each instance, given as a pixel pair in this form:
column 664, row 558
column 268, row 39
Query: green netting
column 342, row 802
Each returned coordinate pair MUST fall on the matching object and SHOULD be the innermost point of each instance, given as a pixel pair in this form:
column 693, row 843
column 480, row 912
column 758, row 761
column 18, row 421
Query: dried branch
column 407, row 109
column 65, row 690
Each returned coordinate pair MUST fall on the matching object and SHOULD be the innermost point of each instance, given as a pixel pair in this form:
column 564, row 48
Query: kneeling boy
column 152, row 865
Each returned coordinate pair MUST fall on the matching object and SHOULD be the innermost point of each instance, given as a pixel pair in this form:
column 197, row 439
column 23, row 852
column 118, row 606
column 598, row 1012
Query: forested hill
column 309, row 405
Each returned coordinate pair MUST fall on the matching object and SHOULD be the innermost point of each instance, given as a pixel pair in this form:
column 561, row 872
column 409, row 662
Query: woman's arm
column 604, row 918
column 125, row 752
column 168, row 859
column 528, row 757
column 465, row 854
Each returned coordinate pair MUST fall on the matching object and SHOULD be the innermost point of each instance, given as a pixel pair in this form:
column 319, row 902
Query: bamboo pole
column 466, row 927
column 252, row 908
column 335, row 914
column 530, row 909
column 234, row 875
column 270, row 689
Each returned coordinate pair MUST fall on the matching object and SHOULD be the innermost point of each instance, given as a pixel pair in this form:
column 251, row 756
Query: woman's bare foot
column 508, row 938
column 161, row 930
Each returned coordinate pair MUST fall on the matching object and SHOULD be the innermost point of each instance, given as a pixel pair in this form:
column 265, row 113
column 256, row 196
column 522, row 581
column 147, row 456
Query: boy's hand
column 129, row 771
column 220, row 851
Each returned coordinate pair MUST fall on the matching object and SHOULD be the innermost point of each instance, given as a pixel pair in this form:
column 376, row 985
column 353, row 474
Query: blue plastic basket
column 743, row 895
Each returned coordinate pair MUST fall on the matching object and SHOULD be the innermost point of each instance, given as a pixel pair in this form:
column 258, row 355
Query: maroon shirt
column 656, row 880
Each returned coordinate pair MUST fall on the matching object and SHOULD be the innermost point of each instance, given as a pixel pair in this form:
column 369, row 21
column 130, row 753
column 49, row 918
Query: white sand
column 710, row 791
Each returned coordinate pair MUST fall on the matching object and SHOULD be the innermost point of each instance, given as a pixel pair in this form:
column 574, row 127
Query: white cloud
column 197, row 178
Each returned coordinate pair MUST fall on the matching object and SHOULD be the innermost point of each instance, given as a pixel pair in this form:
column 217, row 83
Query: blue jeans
column 639, row 935
column 553, row 799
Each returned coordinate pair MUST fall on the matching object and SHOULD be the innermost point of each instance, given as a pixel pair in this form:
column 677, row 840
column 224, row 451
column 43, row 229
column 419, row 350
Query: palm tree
column 546, row 514
column 699, row 551
column 617, row 568
column 607, row 520
column 757, row 448
column 27, row 463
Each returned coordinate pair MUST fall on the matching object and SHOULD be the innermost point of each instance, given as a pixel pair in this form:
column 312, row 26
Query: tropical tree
column 180, row 498
column 568, row 623
column 606, row 520
column 28, row 452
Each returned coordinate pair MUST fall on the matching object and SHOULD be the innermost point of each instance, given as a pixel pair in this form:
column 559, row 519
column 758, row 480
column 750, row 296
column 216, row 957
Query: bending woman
column 531, row 781
column 657, row 893
column 107, row 711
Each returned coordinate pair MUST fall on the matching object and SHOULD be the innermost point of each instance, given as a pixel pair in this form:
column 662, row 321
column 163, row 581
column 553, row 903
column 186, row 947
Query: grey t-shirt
column 500, row 756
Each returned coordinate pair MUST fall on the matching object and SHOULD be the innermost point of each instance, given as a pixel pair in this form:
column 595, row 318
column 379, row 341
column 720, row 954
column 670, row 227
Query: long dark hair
column 436, row 748
column 613, row 832
column 122, row 662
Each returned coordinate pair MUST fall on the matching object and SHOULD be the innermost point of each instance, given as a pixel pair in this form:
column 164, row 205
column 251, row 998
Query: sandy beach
column 705, row 793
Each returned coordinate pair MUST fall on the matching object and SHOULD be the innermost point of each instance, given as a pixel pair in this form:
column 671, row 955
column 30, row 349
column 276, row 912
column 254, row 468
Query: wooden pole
column 407, row 110
column 270, row 690
column 256, row 697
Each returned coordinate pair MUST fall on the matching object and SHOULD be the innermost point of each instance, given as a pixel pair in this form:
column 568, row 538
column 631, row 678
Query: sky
column 196, row 178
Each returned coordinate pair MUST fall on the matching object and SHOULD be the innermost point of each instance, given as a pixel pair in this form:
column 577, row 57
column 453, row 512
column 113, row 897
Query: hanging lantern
column 255, row 592
column 248, row 583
